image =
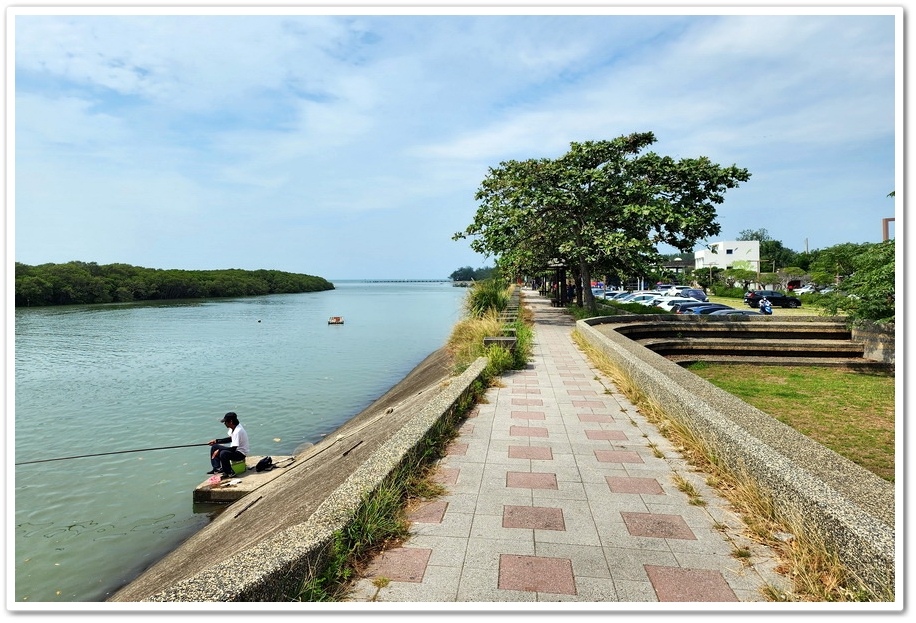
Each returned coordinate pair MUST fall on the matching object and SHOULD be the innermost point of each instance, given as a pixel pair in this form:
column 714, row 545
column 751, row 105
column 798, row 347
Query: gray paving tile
column 592, row 433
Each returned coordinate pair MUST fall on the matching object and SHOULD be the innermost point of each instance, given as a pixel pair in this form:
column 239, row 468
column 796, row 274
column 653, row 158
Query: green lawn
column 852, row 413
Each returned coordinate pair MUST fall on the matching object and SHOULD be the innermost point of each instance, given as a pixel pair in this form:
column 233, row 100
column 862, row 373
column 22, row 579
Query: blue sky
column 351, row 146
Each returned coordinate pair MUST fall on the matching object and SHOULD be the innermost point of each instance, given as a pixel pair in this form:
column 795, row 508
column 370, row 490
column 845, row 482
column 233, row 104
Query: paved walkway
column 557, row 491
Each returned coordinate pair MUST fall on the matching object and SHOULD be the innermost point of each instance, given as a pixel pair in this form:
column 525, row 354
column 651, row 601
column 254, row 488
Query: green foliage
column 87, row 283
column 735, row 276
column 486, row 296
column 604, row 204
column 466, row 273
column 722, row 289
column 833, row 264
column 868, row 293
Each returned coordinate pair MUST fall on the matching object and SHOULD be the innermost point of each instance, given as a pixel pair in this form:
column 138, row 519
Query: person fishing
column 221, row 457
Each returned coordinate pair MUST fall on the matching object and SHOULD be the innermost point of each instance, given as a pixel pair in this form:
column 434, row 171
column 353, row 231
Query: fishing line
column 83, row 456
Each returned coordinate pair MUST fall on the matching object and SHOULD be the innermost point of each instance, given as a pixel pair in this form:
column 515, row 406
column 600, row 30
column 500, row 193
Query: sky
column 350, row 143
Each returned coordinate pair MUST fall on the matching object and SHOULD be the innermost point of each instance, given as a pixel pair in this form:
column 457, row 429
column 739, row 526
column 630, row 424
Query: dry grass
column 816, row 573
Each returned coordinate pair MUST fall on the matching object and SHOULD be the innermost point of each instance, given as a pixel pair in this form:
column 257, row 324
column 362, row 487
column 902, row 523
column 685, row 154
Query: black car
column 680, row 308
column 778, row 299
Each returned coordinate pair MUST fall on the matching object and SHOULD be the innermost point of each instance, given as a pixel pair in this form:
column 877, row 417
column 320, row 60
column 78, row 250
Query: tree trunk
column 585, row 275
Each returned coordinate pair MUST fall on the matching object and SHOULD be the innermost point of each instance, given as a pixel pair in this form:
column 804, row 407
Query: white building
column 729, row 254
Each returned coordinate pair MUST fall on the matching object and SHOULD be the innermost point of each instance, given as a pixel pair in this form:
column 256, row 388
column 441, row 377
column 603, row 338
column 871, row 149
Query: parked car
column 615, row 296
column 708, row 308
column 680, row 308
column 640, row 297
column 668, row 302
column 695, row 293
column 778, row 299
column 735, row 312
column 808, row 289
column 629, row 297
column 673, row 290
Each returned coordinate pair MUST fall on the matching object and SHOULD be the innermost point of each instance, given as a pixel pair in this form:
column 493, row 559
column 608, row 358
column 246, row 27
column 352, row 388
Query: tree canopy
column 868, row 292
column 82, row 282
column 605, row 204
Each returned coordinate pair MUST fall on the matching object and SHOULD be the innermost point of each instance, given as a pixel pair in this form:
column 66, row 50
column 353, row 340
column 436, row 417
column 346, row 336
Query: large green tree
column 602, row 204
column 868, row 293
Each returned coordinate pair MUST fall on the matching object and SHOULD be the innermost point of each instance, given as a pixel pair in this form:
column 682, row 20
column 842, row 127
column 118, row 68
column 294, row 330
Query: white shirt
column 239, row 439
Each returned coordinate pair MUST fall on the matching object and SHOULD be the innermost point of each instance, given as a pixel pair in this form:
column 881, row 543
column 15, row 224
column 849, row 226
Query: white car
column 645, row 299
column 809, row 289
column 669, row 301
column 676, row 290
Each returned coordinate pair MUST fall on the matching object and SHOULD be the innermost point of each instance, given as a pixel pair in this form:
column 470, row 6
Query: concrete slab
column 229, row 490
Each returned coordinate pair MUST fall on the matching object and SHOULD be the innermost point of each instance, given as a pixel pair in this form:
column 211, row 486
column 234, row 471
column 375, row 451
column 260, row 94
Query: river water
column 103, row 379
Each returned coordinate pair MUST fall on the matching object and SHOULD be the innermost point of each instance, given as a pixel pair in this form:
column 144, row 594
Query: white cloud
column 279, row 122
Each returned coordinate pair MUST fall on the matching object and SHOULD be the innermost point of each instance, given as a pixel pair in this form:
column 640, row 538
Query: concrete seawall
column 848, row 507
column 270, row 564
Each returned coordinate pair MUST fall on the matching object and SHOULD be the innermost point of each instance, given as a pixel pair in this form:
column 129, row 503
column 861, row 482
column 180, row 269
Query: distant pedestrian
column 222, row 457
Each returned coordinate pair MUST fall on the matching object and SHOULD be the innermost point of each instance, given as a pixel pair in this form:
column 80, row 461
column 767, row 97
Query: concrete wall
column 275, row 568
column 879, row 341
column 850, row 508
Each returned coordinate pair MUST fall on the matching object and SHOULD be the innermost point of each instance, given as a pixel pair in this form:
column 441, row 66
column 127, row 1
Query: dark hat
column 230, row 417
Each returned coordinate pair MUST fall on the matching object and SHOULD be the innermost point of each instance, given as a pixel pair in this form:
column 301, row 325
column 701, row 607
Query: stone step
column 853, row 363
column 232, row 489
column 756, row 347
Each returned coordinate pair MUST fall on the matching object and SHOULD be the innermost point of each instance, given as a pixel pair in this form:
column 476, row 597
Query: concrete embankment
column 847, row 507
column 264, row 552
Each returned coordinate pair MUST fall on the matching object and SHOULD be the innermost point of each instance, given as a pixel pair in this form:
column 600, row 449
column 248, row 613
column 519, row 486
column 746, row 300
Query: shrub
column 486, row 296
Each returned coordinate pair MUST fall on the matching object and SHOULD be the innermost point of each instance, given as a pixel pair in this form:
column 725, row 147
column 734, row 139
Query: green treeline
column 85, row 283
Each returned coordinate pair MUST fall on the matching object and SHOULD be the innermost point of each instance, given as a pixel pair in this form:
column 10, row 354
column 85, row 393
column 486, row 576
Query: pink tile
column 457, row 449
column 466, row 429
column 529, row 415
column 530, row 452
column 430, row 512
column 534, row 517
column 588, row 404
column 688, row 585
column 526, row 390
column 401, row 564
column 446, row 475
column 618, row 456
column 613, row 435
column 531, row 480
column 536, row 574
column 658, row 526
column 528, row 431
column 619, row 484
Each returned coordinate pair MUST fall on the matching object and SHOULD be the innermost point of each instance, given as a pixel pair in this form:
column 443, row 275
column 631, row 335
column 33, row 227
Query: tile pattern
column 554, row 494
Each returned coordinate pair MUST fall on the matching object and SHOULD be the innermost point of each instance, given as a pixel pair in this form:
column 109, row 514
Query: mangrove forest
column 87, row 282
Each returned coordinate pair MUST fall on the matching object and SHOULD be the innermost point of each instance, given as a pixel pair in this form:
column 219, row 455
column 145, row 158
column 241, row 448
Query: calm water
column 122, row 377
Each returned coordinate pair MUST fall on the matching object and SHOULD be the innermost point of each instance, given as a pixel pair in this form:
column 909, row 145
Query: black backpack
column 264, row 464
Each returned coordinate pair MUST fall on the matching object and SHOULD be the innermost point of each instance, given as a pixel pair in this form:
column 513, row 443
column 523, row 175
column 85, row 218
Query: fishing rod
column 83, row 456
